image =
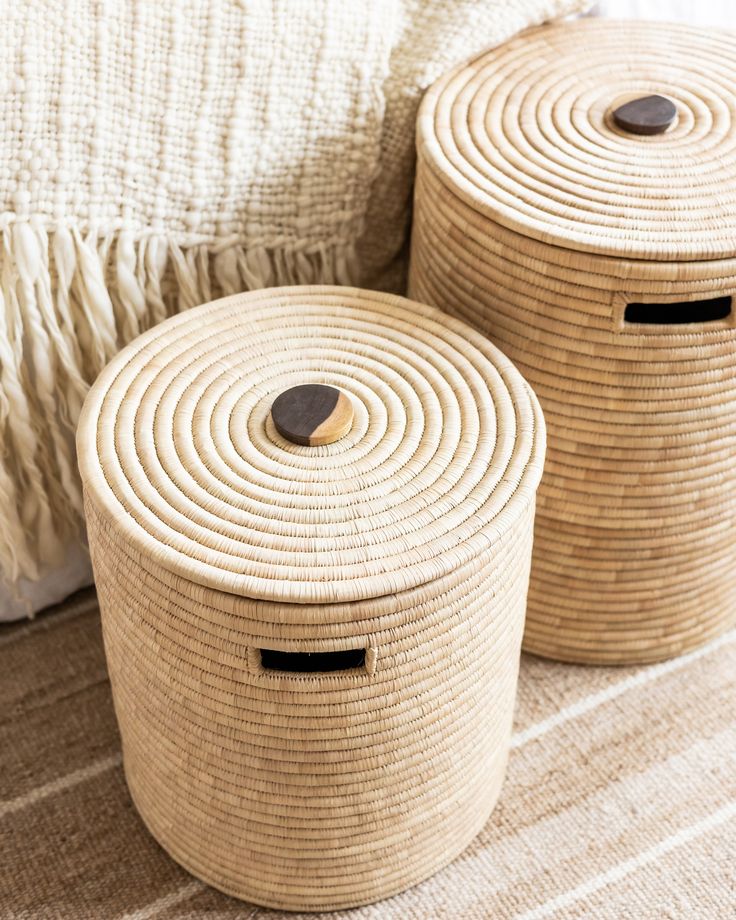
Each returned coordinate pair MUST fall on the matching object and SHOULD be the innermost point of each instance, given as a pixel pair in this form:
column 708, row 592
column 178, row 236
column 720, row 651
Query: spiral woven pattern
column 177, row 437
column 524, row 136
column 214, row 539
column 634, row 548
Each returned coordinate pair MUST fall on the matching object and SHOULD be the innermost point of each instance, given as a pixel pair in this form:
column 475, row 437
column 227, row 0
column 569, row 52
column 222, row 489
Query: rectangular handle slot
column 679, row 313
column 307, row 662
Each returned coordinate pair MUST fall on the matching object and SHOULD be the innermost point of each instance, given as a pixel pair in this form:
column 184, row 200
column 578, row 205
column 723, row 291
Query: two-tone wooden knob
column 646, row 115
column 313, row 414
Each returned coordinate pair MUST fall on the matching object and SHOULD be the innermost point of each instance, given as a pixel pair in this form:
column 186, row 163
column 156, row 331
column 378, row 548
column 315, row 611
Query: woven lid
column 181, row 458
column 526, row 135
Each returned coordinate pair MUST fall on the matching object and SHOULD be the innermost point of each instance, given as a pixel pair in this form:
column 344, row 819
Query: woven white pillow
column 155, row 156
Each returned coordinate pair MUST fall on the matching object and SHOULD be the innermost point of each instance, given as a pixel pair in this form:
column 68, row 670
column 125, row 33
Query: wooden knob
column 647, row 115
column 312, row 414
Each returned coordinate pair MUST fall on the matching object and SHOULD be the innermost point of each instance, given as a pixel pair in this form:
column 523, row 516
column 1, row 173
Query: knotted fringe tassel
column 68, row 303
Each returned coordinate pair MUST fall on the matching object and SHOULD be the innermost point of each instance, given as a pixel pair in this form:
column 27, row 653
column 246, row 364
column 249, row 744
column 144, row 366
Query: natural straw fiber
column 213, row 538
column 538, row 220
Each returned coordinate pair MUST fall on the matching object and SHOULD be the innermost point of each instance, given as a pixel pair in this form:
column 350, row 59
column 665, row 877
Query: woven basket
column 602, row 262
column 230, row 562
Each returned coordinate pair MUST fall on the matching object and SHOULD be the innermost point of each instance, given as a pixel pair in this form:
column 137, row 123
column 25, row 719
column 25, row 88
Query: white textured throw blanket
column 158, row 155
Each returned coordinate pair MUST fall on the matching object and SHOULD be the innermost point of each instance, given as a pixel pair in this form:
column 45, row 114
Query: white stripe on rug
column 10, row 806
column 168, row 900
column 588, row 703
column 620, row 871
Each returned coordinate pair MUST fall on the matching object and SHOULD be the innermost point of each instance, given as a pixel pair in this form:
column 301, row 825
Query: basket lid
column 616, row 138
column 181, row 457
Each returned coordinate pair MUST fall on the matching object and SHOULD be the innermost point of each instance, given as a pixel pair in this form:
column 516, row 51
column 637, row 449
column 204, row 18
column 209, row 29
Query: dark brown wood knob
column 647, row 115
column 312, row 414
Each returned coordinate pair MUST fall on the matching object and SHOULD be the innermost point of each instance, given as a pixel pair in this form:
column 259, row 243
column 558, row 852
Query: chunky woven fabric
column 153, row 156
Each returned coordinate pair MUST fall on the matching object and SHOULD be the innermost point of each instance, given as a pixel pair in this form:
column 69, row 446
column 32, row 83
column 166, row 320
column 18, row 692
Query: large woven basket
column 231, row 562
column 601, row 260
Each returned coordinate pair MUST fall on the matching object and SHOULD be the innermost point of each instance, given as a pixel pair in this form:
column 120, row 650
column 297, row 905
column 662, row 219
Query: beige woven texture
column 538, row 221
column 212, row 537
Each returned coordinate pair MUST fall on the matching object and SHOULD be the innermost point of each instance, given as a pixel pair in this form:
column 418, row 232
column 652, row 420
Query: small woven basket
column 576, row 201
column 310, row 514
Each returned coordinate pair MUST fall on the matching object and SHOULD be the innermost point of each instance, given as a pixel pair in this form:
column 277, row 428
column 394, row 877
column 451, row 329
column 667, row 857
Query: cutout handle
column 308, row 662
column 678, row 313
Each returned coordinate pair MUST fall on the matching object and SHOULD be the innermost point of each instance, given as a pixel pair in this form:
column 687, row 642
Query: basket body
column 315, row 792
column 634, row 558
column 305, row 790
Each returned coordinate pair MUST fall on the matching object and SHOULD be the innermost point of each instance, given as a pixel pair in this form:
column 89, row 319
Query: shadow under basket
column 576, row 201
column 310, row 514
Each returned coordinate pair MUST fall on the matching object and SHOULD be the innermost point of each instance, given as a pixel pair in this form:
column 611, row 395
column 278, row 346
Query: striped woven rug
column 620, row 800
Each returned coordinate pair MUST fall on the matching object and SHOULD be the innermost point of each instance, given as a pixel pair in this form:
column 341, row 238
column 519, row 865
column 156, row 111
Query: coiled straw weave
column 538, row 220
column 213, row 537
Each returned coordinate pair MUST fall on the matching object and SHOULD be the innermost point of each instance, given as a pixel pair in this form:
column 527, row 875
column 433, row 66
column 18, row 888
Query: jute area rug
column 620, row 800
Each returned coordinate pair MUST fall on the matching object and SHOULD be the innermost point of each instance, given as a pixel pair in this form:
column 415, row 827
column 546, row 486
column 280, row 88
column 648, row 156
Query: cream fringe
column 68, row 303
